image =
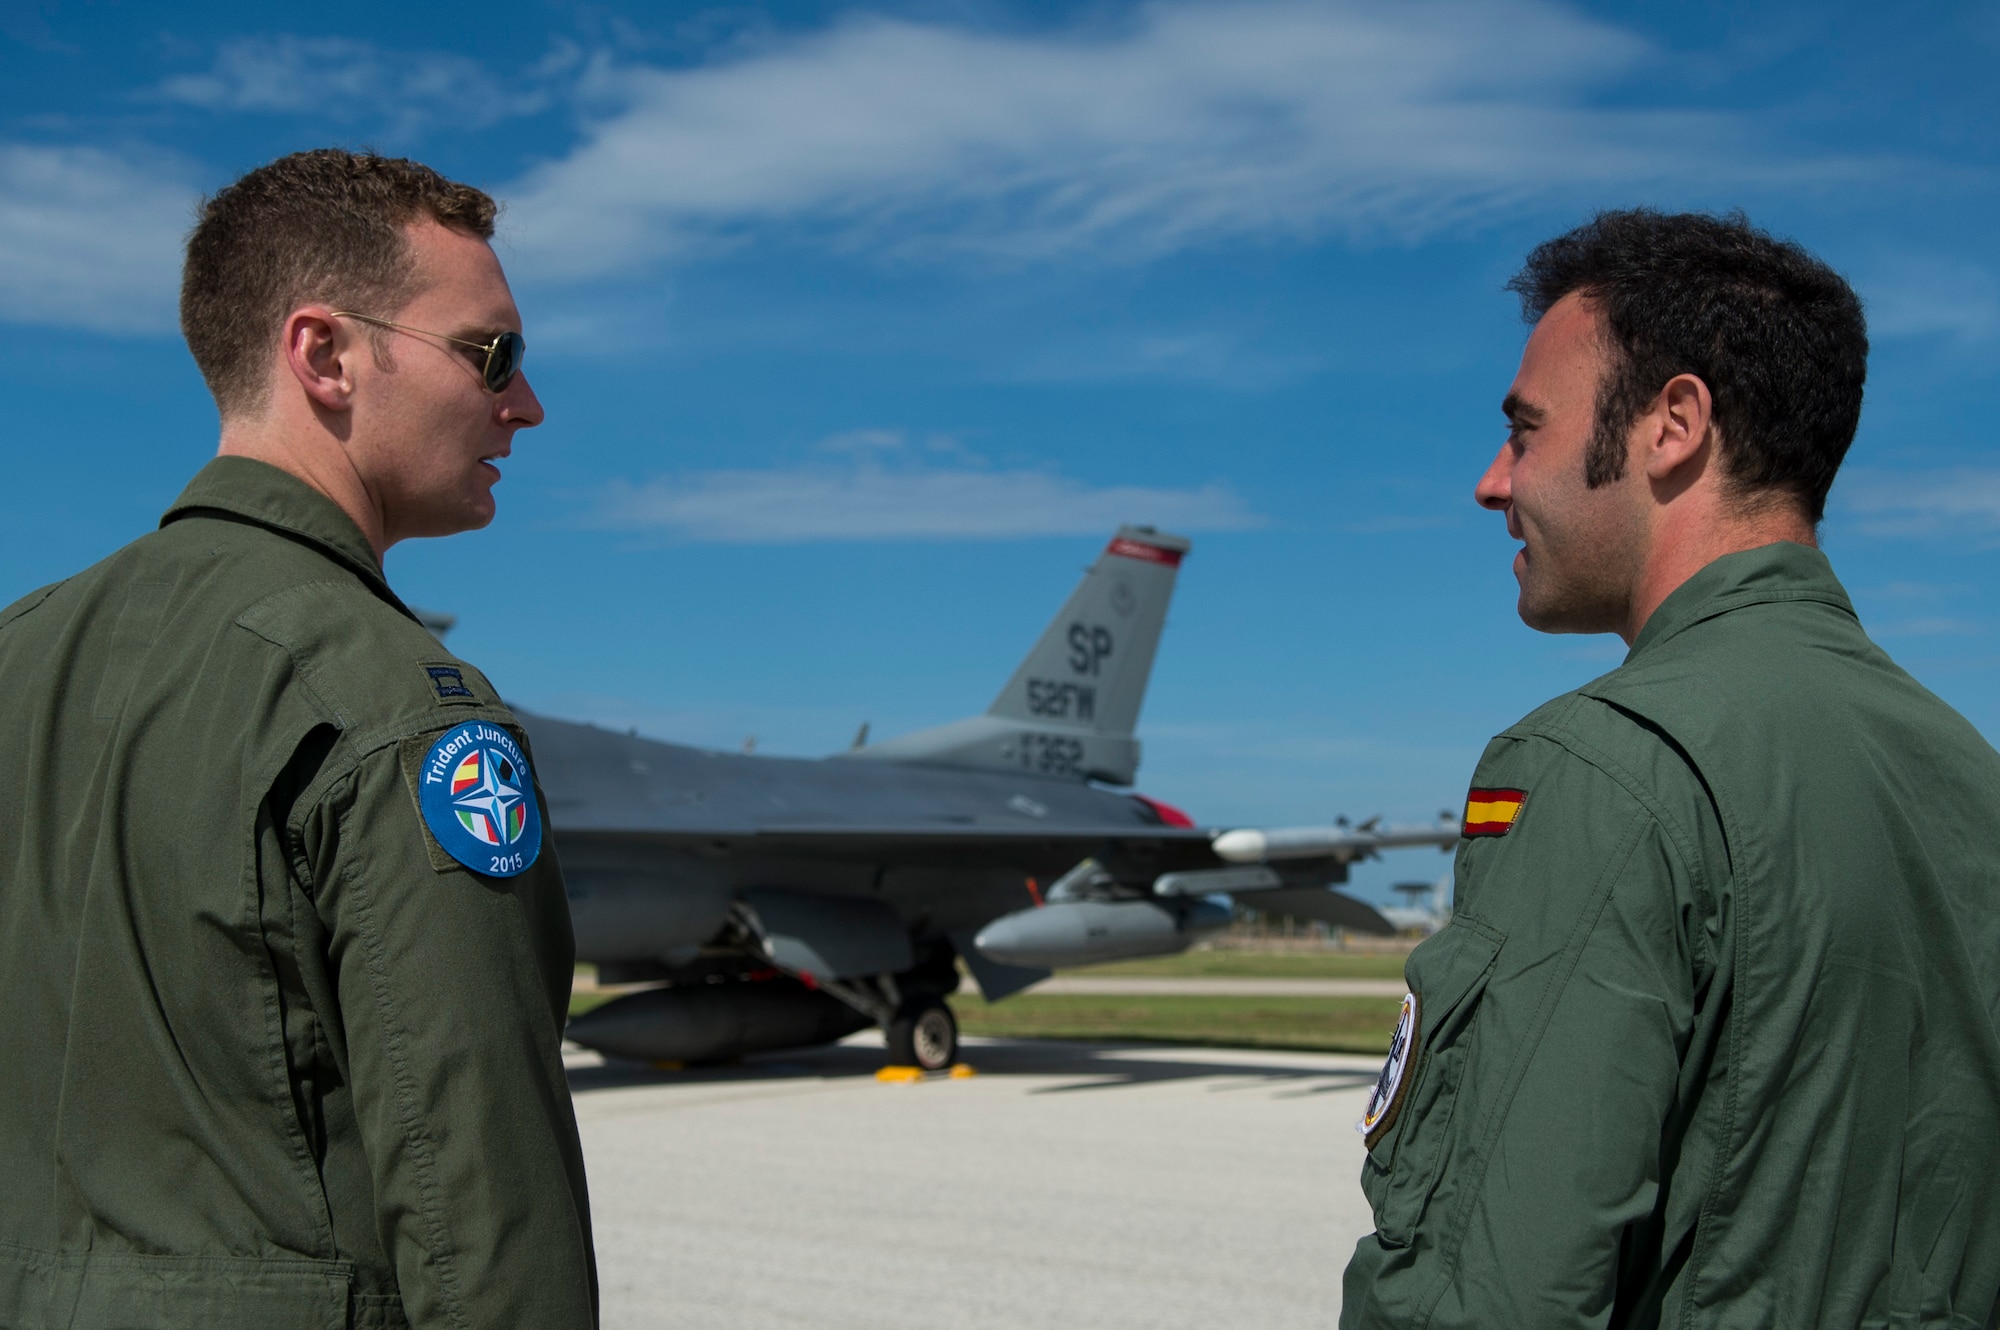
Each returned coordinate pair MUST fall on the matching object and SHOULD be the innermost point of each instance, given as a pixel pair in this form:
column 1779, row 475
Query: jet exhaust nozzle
column 711, row 1022
column 1090, row 932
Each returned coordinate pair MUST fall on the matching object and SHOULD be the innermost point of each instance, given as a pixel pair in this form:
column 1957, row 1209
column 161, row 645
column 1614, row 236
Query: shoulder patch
column 477, row 795
column 1387, row 1099
column 1491, row 812
column 448, row 686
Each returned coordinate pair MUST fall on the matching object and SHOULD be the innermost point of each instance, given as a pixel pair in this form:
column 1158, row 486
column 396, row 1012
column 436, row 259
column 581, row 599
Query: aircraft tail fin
column 1072, row 707
column 1092, row 664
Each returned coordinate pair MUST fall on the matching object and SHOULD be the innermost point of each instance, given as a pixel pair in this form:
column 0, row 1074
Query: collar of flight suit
column 266, row 496
column 1782, row 571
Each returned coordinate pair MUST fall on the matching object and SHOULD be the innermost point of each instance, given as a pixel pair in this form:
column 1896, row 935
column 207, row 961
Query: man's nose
column 1495, row 489
column 519, row 405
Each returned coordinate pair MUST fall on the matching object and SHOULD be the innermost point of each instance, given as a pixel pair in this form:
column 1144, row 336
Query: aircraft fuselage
column 658, row 839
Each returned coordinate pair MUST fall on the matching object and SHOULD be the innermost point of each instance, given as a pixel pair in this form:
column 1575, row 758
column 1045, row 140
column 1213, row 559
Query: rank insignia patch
column 1387, row 1098
column 478, row 799
column 1491, row 812
column 448, row 682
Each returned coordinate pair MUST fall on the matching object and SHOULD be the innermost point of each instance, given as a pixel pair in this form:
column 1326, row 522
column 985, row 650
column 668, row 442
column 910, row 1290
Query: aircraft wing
column 1091, row 915
column 942, row 833
column 1135, row 854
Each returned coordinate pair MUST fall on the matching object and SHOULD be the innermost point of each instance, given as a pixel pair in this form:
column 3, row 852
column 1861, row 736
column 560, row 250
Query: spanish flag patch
column 1491, row 812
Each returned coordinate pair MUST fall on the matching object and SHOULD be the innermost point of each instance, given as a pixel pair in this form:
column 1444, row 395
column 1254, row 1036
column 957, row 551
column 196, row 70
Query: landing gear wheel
column 925, row 1035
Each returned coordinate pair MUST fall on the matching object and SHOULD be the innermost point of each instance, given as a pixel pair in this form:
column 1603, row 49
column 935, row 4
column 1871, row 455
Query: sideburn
column 1604, row 455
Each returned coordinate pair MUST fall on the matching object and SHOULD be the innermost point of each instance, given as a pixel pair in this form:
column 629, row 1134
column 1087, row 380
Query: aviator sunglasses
column 503, row 353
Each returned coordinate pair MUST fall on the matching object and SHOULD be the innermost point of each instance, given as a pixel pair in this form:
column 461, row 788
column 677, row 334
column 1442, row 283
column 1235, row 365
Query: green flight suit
column 268, row 1057
column 1711, row 1037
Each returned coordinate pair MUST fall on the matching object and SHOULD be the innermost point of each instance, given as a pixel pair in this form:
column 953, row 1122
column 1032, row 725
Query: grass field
column 1255, row 965
column 1332, row 1025
column 1338, row 1025
column 583, row 999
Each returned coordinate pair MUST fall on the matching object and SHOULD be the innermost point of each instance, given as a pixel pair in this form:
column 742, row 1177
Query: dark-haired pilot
column 284, row 949
column 1711, row 1037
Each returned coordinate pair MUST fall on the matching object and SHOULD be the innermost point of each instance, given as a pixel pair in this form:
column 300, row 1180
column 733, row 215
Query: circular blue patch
column 478, row 798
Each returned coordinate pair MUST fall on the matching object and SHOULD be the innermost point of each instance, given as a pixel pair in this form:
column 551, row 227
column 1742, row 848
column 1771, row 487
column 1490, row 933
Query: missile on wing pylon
column 1254, row 845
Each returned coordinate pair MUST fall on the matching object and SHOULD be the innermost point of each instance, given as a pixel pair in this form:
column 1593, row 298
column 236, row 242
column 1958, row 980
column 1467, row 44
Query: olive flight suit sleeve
column 1525, row 1142
column 451, row 994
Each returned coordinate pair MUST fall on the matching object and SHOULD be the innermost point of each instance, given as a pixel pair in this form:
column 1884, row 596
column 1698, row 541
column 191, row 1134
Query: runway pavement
column 1066, row 1184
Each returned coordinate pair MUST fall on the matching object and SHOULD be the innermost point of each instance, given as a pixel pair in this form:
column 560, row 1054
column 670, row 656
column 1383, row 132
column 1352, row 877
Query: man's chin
column 472, row 515
column 480, row 505
column 1544, row 622
column 1546, row 613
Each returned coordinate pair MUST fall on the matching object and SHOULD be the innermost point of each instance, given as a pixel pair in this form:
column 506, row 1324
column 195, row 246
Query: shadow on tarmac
column 1093, row 1066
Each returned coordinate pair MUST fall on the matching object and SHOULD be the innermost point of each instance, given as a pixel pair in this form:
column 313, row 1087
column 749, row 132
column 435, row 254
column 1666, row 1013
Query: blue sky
column 860, row 328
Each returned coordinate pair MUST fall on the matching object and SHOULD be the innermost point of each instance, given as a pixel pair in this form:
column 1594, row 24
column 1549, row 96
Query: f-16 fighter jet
column 781, row 902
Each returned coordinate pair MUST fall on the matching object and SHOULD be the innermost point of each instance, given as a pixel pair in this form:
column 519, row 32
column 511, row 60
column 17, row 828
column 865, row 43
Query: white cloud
column 349, row 82
column 1931, row 295
column 1174, row 125
column 1921, row 503
column 89, row 239
column 1185, row 124
column 92, row 238
column 1218, row 357
column 860, row 498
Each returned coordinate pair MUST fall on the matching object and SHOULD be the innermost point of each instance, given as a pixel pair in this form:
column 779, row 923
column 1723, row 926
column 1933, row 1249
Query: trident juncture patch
column 1491, row 812
column 1387, row 1099
column 478, row 799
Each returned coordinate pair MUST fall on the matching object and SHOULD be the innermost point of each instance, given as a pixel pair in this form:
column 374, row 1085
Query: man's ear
column 317, row 351
column 1680, row 426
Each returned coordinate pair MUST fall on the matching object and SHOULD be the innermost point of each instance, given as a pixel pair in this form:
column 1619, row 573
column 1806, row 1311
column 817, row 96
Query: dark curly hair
column 326, row 225
column 1778, row 337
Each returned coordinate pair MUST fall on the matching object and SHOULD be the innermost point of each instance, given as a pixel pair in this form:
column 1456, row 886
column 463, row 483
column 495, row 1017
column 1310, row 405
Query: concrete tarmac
column 1066, row 1184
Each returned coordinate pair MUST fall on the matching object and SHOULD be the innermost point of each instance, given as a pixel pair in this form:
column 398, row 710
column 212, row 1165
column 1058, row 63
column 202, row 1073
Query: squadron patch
column 1491, row 812
column 1387, row 1098
column 478, row 798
